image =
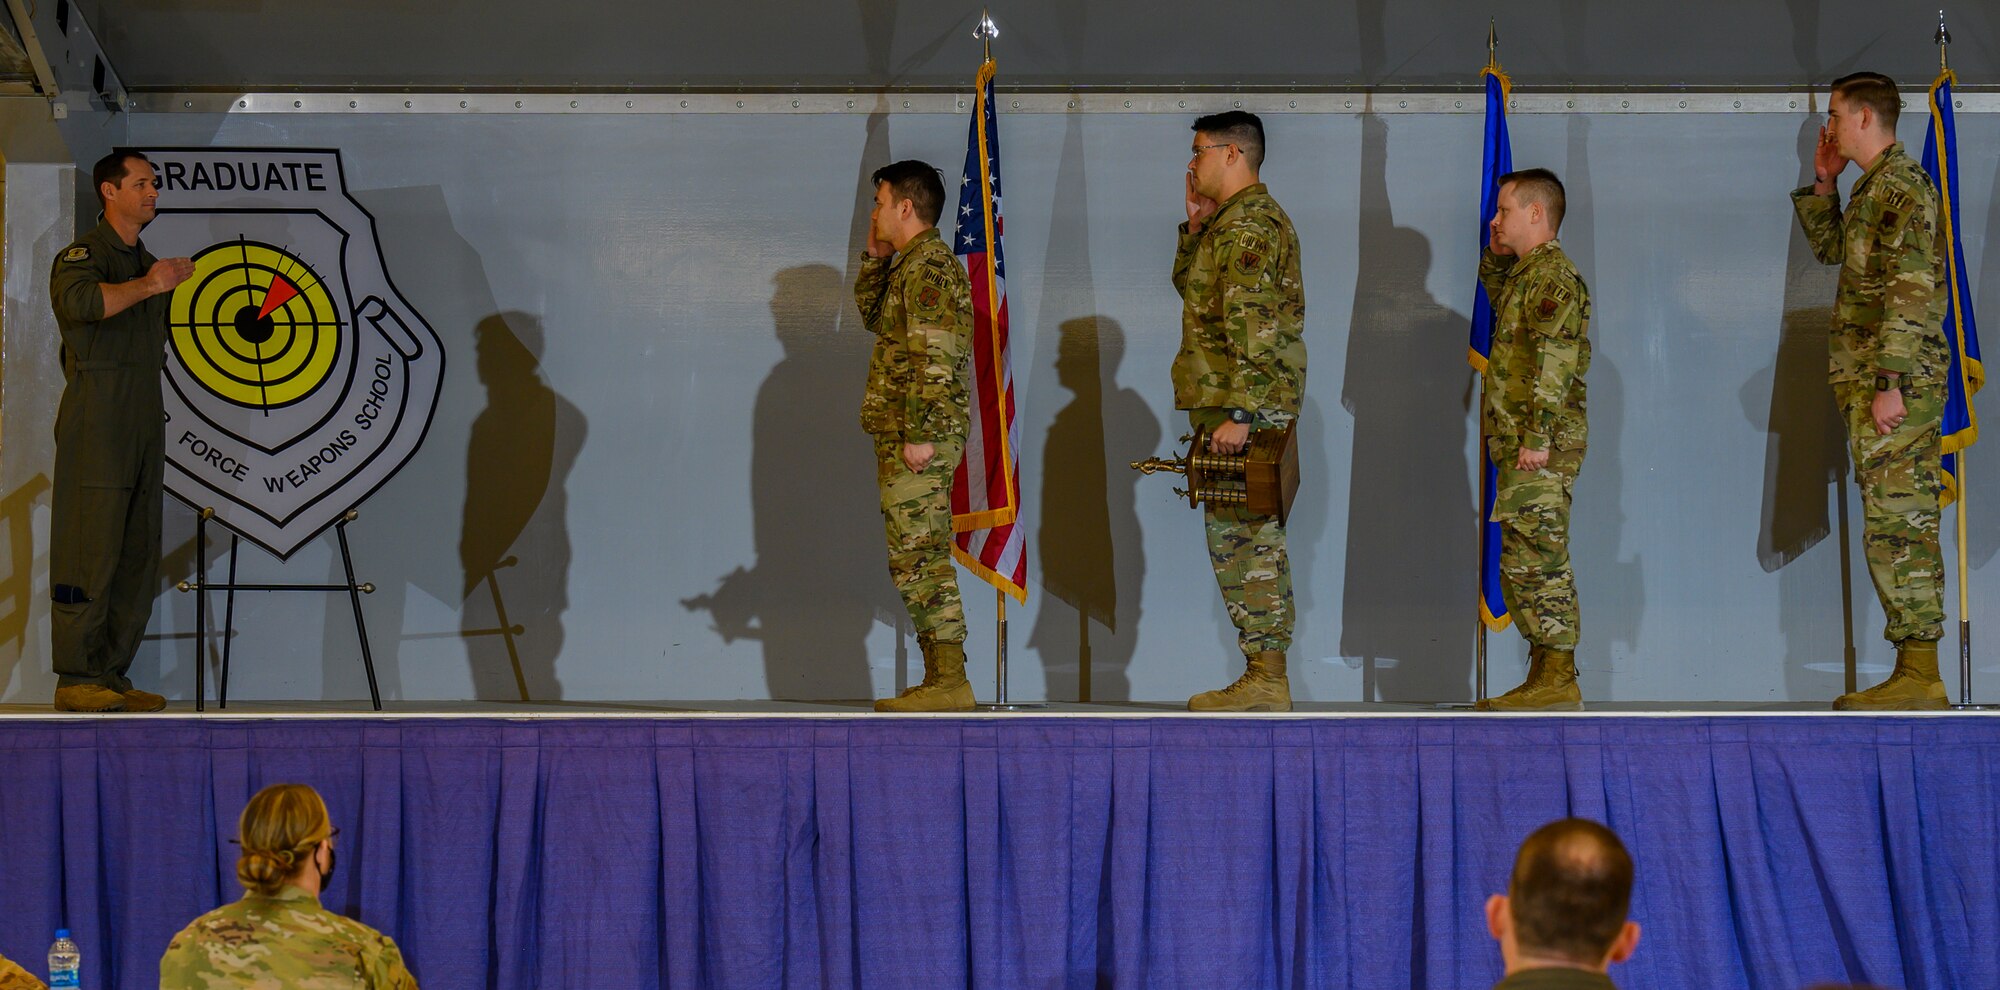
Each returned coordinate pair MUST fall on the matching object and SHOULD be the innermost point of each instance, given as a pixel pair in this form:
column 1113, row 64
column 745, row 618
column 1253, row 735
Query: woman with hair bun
column 278, row 934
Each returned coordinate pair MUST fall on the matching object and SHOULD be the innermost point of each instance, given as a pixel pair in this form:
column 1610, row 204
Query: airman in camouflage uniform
column 1888, row 365
column 919, row 306
column 13, row 977
column 283, row 940
column 1242, row 362
column 1533, row 410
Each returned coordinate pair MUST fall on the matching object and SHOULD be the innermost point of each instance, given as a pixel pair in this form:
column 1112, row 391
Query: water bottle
column 64, row 963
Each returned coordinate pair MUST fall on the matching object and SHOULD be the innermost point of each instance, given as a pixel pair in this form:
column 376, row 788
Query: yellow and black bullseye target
column 255, row 325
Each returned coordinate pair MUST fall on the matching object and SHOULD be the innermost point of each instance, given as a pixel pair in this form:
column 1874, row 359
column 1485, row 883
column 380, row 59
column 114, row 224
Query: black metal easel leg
column 354, row 596
column 200, row 605
column 228, row 624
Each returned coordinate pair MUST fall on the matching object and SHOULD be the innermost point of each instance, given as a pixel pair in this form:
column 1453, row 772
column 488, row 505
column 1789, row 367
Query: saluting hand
column 1199, row 207
column 167, row 273
column 1827, row 161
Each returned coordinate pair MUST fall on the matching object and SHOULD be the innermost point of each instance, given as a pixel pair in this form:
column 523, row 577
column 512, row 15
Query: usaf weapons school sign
column 298, row 379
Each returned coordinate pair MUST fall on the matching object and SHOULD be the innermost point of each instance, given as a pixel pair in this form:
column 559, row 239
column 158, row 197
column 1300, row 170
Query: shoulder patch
column 1244, row 254
column 80, row 252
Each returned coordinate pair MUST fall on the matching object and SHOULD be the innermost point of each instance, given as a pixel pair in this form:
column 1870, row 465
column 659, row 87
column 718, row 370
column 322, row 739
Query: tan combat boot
column 944, row 687
column 142, row 701
column 1913, row 686
column 1262, row 688
column 1550, row 687
column 88, row 698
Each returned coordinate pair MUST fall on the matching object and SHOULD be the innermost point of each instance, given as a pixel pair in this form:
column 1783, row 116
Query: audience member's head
column 287, row 838
column 1566, row 902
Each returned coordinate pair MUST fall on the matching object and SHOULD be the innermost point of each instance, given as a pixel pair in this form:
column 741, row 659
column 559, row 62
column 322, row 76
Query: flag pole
column 1961, row 481
column 1479, row 572
column 986, row 31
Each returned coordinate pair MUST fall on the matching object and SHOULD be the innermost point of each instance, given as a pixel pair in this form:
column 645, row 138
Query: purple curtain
column 1773, row 852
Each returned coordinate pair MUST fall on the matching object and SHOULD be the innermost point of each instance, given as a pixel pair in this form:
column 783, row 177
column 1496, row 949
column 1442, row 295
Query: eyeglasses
column 1199, row 148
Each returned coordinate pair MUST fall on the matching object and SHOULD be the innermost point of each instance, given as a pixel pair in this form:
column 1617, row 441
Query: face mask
column 326, row 875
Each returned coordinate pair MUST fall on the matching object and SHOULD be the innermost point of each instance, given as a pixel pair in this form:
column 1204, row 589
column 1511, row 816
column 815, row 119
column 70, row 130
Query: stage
column 766, row 844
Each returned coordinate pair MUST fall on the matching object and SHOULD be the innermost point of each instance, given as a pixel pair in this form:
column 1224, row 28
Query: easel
column 201, row 586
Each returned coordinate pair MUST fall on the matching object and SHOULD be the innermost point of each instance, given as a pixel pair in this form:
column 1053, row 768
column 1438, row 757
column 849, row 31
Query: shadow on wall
column 1411, row 529
column 819, row 579
column 1804, row 455
column 1087, row 527
column 514, row 540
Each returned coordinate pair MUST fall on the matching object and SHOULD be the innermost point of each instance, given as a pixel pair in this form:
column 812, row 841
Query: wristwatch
column 1884, row 383
column 1241, row 416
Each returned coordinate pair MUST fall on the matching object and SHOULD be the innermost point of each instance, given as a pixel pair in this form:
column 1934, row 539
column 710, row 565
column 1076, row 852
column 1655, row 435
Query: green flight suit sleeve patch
column 80, row 252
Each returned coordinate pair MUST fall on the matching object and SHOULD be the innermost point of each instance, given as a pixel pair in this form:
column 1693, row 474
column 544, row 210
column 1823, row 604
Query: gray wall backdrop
column 655, row 366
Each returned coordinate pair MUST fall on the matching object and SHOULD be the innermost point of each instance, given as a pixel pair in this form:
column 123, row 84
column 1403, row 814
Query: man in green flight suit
column 1532, row 417
column 1889, row 362
column 1241, row 366
column 110, row 299
column 916, row 299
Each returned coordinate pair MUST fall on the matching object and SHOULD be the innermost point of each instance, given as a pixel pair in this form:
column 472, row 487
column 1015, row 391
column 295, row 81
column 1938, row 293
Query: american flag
column 986, row 490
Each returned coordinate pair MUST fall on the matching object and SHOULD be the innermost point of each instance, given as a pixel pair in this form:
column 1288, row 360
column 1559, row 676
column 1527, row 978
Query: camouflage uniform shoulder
column 1550, row 267
column 1902, row 189
column 930, row 252
column 1256, row 213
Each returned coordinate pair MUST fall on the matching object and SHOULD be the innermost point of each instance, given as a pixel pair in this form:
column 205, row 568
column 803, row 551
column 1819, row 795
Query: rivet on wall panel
column 1350, row 104
column 1571, row 104
column 795, row 104
column 1072, row 104
column 354, row 104
column 628, row 104
column 1183, row 104
column 1295, row 104
column 1739, row 104
column 1684, row 104
column 1017, row 104
column 906, row 104
column 684, row 104
column 242, row 103
column 1238, row 104
column 297, row 104
column 1794, row 104
column 850, row 104
column 1624, row 104
column 187, row 104
column 517, row 104
column 1458, row 104
column 1403, row 104
column 407, row 104
column 739, row 104
column 572, row 104
column 1128, row 104
column 463, row 105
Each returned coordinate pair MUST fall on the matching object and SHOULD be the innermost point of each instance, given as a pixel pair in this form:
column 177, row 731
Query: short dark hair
column 112, row 168
column 1875, row 91
column 917, row 182
column 1238, row 127
column 1539, row 185
column 1571, row 889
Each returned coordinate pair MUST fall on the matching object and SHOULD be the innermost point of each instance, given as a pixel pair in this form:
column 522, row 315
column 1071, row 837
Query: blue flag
column 1961, row 424
column 1497, row 161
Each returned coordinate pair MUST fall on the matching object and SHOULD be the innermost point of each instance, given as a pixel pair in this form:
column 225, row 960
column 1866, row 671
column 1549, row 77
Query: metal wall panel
column 670, row 297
